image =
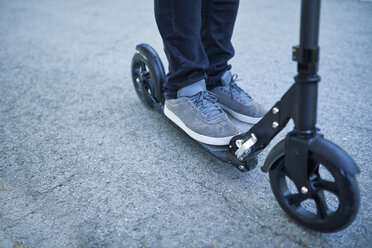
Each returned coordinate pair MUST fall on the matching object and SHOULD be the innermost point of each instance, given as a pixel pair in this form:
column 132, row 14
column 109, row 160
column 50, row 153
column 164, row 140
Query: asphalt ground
column 84, row 164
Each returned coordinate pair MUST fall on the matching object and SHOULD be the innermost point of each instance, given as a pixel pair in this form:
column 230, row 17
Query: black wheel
column 329, row 206
column 142, row 82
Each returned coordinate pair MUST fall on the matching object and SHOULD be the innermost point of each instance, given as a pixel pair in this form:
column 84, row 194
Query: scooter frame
column 303, row 150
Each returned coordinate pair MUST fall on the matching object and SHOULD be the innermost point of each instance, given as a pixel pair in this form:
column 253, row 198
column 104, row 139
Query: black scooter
column 304, row 167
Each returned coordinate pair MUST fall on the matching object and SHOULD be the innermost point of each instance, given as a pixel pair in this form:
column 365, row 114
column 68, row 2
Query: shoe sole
column 196, row 136
column 240, row 117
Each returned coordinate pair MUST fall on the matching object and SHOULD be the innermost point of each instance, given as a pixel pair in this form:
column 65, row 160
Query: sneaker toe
column 219, row 129
column 251, row 109
column 227, row 129
column 257, row 110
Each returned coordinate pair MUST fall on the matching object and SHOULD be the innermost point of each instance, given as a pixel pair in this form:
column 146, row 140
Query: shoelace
column 239, row 90
column 205, row 101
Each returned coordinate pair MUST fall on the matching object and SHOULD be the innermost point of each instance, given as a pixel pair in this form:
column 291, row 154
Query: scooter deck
column 222, row 153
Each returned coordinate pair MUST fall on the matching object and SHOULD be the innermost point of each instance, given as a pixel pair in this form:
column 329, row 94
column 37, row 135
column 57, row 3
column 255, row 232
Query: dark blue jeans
column 197, row 40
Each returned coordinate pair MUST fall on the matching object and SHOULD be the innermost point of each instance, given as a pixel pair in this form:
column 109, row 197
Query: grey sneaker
column 195, row 111
column 236, row 101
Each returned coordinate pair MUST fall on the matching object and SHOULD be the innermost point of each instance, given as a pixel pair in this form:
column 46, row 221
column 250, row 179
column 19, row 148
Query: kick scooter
column 295, row 164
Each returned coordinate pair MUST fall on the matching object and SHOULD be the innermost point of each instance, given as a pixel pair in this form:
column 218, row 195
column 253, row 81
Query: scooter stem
column 300, row 101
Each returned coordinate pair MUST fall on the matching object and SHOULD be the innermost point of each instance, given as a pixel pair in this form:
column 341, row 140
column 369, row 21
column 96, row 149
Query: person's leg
column 188, row 103
column 179, row 23
column 218, row 20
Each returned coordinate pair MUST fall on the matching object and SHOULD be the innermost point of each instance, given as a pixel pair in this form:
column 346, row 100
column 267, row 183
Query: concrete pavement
column 84, row 164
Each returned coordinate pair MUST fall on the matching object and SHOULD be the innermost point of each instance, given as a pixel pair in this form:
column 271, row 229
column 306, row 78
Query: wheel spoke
column 296, row 199
column 137, row 72
column 314, row 166
column 322, row 184
column 145, row 75
column 321, row 205
column 143, row 66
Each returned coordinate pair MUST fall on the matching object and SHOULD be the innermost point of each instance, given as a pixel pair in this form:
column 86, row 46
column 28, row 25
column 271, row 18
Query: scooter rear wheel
column 142, row 81
column 332, row 203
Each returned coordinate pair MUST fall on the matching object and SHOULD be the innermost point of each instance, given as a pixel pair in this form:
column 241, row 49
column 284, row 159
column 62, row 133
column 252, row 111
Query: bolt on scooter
column 312, row 179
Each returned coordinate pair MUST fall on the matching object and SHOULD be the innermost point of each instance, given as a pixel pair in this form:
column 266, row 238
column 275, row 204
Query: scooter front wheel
column 329, row 206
